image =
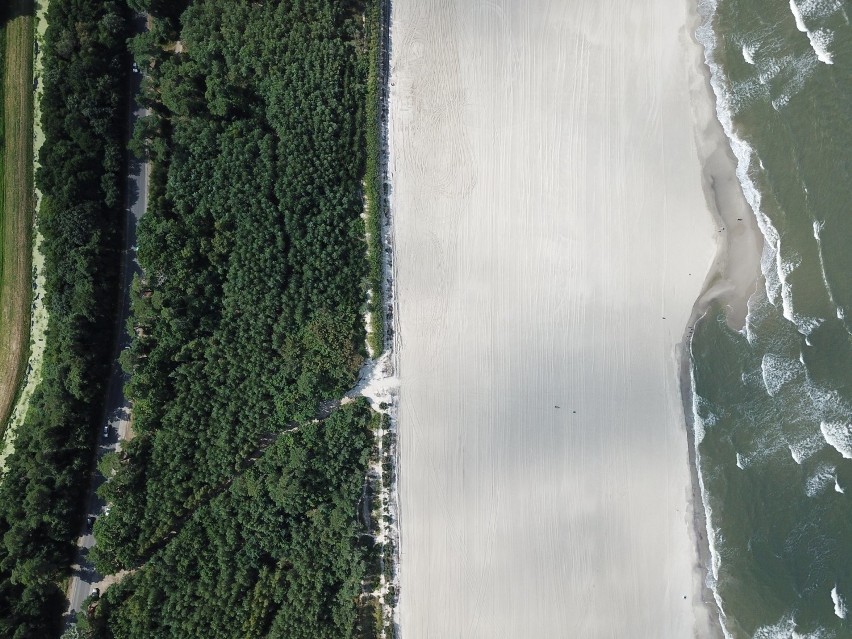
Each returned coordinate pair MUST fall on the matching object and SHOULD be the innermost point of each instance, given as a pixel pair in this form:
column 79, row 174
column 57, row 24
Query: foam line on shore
column 774, row 266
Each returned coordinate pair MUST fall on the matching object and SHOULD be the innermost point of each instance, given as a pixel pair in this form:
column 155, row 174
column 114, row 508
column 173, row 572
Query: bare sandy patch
column 553, row 230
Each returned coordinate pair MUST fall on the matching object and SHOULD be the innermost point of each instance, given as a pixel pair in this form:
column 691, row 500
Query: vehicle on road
column 135, row 68
column 96, row 593
column 90, row 523
column 106, row 431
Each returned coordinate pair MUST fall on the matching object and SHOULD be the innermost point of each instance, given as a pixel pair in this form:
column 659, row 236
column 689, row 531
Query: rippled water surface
column 773, row 401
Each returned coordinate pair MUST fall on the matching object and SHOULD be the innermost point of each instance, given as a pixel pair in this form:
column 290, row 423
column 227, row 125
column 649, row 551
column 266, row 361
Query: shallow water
column 774, row 401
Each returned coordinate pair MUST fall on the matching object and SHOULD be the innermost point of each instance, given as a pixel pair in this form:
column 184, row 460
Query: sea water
column 773, row 399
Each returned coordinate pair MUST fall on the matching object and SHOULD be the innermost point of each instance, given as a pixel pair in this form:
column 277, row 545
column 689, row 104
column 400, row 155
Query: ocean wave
column 729, row 98
column 713, row 535
column 748, row 53
column 797, row 15
column 744, row 93
column 748, row 163
column 796, row 70
column 826, row 402
column 838, row 436
column 818, row 226
column 768, row 445
column 769, row 68
column 820, row 38
column 839, row 603
column 778, row 371
column 772, row 282
column 759, row 309
column 743, row 151
column 784, row 267
column 824, row 477
column 804, row 448
column 786, row 629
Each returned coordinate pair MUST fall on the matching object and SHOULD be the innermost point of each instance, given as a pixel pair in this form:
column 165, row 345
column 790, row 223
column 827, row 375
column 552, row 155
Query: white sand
column 549, row 214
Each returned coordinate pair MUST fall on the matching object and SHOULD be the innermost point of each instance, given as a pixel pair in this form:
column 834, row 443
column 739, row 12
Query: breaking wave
column 839, row 603
column 820, row 38
column 802, row 449
column 778, row 371
column 838, row 436
column 786, row 629
column 821, row 480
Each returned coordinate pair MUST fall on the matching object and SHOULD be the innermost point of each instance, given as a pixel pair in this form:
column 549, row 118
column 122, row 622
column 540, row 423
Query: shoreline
column 733, row 276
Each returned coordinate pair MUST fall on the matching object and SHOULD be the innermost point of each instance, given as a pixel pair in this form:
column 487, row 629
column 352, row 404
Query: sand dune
column 552, row 235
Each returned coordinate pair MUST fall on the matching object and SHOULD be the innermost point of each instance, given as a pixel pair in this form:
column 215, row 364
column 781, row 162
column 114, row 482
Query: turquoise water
column 773, row 401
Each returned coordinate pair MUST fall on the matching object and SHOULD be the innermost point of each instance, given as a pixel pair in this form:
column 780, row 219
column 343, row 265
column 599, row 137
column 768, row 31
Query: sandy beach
column 557, row 178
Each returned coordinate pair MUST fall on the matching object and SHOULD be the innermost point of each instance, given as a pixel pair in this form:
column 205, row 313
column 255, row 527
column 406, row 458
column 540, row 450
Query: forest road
column 116, row 422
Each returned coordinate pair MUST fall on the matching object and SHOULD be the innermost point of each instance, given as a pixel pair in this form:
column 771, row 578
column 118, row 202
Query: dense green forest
column 270, row 556
column 235, row 502
column 46, row 478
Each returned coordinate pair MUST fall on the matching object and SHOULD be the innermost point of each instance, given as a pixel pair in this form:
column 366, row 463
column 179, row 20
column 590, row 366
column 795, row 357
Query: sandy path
column 552, row 236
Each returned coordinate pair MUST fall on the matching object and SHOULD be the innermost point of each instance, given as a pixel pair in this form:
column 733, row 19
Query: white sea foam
column 770, row 274
column 827, row 404
column 769, row 68
column 786, row 629
column 839, row 603
column 766, row 447
column 729, row 97
column 748, row 53
column 759, row 307
column 712, row 579
column 742, row 150
column 751, row 378
column 837, row 487
column 818, row 227
column 744, row 153
column 778, row 371
column 822, row 478
column 797, row 14
column 804, row 448
column 784, row 267
column 819, row 38
column 839, row 436
column 794, row 71
column 746, row 92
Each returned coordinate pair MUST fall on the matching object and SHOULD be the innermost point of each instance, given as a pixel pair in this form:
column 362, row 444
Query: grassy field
column 16, row 204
